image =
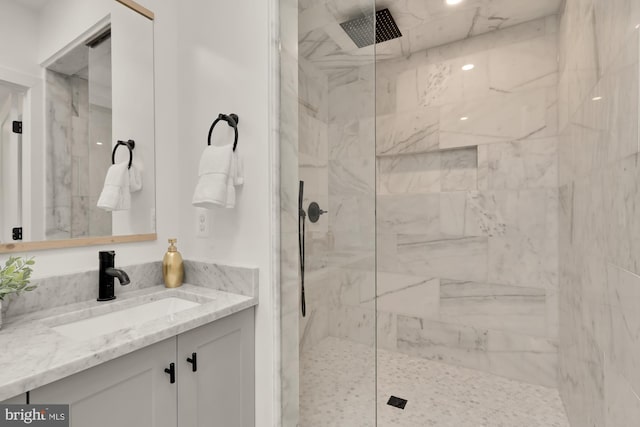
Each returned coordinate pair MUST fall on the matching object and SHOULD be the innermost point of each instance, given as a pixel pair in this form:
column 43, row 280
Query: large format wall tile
column 467, row 203
column 598, row 172
column 418, row 173
column 526, row 253
column 409, row 214
column 491, row 306
column 521, row 164
column 458, row 258
column 416, row 296
column 459, row 169
column 414, row 131
column 500, row 117
column 526, row 358
column 522, row 357
column 446, row 342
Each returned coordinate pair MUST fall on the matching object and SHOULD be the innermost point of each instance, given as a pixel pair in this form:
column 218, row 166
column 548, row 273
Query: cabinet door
column 221, row 392
column 20, row 399
column 130, row 391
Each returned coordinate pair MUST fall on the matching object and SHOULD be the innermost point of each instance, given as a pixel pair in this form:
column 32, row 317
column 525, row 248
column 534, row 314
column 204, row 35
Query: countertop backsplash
column 66, row 289
column 237, row 280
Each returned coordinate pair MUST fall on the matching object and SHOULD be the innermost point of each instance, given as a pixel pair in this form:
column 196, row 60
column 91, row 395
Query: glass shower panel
column 467, row 214
column 336, row 162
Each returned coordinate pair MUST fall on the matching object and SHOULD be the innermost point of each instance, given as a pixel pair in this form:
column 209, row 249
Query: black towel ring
column 232, row 120
column 130, row 144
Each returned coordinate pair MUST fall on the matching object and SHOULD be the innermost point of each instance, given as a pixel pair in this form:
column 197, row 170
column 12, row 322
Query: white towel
column 239, row 176
column 115, row 194
column 235, row 179
column 214, row 173
column 135, row 179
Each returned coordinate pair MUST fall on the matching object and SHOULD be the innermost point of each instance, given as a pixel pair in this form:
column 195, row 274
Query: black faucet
column 107, row 274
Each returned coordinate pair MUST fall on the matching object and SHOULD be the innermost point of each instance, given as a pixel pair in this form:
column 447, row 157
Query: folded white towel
column 214, row 172
column 135, row 179
column 115, row 194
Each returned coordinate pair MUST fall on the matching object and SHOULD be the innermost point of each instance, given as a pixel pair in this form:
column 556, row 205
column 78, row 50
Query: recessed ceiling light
column 638, row 27
column 468, row 67
column 596, row 98
column 453, row 2
column 464, row 118
column 98, row 143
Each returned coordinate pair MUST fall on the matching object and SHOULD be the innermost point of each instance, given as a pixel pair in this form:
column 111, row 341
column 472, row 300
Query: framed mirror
column 77, row 150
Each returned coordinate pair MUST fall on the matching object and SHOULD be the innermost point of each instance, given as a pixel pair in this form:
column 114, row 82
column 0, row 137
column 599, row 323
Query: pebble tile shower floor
column 338, row 380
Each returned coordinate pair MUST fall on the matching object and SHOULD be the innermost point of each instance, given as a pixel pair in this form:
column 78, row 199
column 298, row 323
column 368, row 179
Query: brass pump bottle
column 172, row 266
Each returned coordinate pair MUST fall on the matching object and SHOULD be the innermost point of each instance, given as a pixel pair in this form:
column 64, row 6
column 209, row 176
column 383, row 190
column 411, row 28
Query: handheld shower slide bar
column 302, row 218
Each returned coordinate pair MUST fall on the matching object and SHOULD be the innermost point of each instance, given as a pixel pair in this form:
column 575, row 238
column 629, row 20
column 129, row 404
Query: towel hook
column 130, row 144
column 232, row 120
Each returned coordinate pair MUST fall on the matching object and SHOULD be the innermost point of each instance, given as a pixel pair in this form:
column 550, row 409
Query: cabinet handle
column 171, row 370
column 194, row 361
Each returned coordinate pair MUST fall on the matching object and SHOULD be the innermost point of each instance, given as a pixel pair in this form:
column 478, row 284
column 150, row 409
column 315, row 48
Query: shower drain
column 397, row 402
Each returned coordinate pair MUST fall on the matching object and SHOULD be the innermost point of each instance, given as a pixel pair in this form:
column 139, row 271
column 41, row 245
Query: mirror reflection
column 74, row 80
column 78, row 98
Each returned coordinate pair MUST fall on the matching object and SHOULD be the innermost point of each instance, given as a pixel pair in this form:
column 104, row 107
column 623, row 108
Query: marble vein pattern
column 467, row 204
column 45, row 356
column 73, row 122
column 236, row 280
column 424, row 25
column 339, row 389
column 57, row 291
column 598, row 149
column 300, row 94
column 466, row 193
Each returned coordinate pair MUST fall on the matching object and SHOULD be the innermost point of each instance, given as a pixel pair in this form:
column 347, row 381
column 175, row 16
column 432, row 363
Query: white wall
column 19, row 33
column 63, row 21
column 224, row 50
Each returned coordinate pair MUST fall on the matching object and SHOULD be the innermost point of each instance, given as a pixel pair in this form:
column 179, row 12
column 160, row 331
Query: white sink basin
column 123, row 319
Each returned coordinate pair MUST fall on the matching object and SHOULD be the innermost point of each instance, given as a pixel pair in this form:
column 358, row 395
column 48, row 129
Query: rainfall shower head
column 361, row 29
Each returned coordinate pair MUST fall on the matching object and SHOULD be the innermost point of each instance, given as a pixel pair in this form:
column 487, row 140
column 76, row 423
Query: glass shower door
column 336, row 163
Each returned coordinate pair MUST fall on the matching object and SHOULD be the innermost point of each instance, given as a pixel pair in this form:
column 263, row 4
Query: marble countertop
column 33, row 354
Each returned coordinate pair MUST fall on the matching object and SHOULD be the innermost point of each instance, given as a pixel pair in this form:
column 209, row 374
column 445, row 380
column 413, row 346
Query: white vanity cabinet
column 132, row 390
column 219, row 391
column 135, row 391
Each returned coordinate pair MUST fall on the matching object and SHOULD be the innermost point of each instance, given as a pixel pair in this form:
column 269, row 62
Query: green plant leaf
column 15, row 276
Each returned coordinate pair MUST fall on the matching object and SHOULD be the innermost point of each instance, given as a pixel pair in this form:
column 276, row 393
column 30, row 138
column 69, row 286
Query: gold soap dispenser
column 172, row 266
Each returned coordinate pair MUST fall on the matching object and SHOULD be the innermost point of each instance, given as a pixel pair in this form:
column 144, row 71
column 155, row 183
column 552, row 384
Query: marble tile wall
column 599, row 273
column 352, row 191
column 73, row 128
column 287, row 299
column 58, row 197
column 467, row 208
column 313, row 169
column 237, row 280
